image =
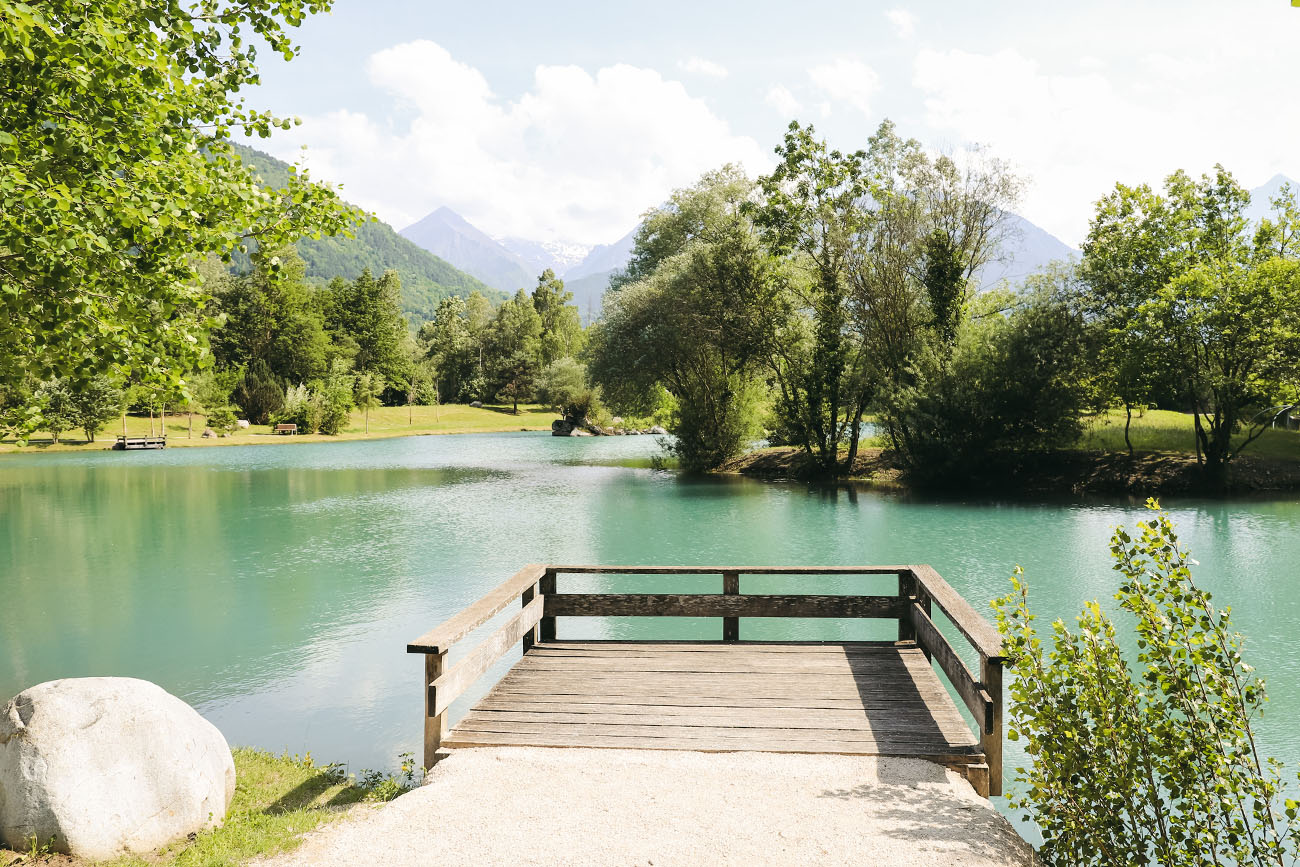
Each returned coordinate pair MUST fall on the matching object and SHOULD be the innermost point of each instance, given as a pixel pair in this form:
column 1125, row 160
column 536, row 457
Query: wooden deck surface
column 857, row 699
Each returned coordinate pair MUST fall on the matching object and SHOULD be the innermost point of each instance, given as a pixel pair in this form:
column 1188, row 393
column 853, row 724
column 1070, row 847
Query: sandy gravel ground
column 526, row 805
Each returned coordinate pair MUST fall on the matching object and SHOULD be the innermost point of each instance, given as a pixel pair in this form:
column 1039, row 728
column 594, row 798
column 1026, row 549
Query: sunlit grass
column 387, row 421
column 277, row 800
column 1164, row 431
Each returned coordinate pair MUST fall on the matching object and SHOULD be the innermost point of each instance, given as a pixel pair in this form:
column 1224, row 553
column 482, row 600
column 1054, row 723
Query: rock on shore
column 99, row 767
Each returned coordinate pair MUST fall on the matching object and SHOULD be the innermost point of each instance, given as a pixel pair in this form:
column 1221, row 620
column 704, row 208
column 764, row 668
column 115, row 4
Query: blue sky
column 565, row 120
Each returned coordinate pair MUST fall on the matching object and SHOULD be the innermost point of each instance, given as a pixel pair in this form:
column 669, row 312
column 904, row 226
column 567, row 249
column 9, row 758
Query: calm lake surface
column 275, row 587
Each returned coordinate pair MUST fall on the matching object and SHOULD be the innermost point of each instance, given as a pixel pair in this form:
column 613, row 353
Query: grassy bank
column 1159, row 430
column 277, row 799
column 1163, row 462
column 388, row 421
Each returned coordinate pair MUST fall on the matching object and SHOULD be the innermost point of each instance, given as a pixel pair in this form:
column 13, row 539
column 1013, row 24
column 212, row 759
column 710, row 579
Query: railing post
column 546, row 626
column 731, row 587
column 991, row 741
column 529, row 637
column 435, row 726
column 907, row 590
column 911, row 589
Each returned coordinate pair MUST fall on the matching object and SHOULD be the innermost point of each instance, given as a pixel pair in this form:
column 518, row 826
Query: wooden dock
column 880, row 698
column 132, row 443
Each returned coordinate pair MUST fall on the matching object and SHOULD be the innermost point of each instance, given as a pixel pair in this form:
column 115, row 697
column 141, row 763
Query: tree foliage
column 117, row 178
column 1015, row 380
column 1191, row 292
column 365, row 315
column 699, row 323
column 1146, row 757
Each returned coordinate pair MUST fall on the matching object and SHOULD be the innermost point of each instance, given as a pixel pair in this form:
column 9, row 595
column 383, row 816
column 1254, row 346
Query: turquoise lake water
column 275, row 587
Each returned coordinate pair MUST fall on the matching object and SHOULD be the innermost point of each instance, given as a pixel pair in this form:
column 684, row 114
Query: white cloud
column 904, row 22
column 577, row 157
column 781, row 99
column 848, row 81
column 1076, row 133
column 700, row 66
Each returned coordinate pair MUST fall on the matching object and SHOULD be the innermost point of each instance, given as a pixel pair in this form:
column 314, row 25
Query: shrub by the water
column 1146, row 757
column 260, row 393
column 300, row 408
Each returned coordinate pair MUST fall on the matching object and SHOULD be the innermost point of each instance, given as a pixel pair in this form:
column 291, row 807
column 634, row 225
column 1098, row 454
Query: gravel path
column 525, row 805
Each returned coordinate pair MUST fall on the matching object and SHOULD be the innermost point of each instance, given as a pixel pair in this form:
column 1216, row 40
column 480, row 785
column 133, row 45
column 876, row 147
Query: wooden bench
column 878, row 698
column 286, row 428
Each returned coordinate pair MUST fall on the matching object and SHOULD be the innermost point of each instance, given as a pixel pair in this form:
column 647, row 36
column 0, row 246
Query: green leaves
column 1150, row 758
column 117, row 179
column 1197, row 306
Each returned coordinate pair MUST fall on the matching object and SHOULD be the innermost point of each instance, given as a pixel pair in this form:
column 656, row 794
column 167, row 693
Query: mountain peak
column 450, row 236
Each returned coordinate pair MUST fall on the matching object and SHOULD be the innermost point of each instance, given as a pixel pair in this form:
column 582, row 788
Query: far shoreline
column 385, row 422
column 1077, row 472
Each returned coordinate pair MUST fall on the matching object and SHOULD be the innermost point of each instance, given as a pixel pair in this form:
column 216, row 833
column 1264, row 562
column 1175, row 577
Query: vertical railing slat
column 546, row 628
column 731, row 587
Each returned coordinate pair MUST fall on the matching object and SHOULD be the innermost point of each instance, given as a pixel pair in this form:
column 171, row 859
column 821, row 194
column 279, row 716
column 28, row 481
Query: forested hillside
column 426, row 279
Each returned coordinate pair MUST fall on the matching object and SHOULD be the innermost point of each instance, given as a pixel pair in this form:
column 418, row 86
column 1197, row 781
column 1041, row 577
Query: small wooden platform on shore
column 131, row 443
column 880, row 698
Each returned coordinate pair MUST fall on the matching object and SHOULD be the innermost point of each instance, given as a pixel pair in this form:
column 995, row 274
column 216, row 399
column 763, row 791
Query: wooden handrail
column 441, row 637
column 452, row 683
column 721, row 605
column 979, row 632
column 971, row 691
column 741, row 570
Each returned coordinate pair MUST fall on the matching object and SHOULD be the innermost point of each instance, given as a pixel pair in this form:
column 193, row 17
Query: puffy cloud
column 848, row 81
column 700, row 66
column 577, row 157
column 1077, row 131
column 904, row 22
column 781, row 99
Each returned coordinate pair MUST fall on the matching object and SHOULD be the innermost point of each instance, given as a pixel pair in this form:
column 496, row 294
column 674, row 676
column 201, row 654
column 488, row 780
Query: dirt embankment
column 1077, row 472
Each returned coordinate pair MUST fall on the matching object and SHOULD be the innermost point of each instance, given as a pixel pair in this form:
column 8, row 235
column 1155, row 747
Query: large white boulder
column 108, row 765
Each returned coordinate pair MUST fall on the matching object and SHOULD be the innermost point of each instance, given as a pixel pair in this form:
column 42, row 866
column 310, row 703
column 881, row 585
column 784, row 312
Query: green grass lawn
column 1164, row 431
column 387, row 421
column 277, row 799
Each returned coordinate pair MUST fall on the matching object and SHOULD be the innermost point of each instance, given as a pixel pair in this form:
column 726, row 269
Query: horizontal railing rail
column 920, row 590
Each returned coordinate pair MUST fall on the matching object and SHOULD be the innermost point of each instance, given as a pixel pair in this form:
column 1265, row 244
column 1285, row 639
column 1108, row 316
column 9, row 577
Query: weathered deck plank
column 860, row 699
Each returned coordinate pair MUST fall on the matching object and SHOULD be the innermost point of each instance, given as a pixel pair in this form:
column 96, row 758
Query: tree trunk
column 367, row 421
column 1128, row 420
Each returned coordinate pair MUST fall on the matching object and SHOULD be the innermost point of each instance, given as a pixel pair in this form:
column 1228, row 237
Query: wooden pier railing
column 918, row 592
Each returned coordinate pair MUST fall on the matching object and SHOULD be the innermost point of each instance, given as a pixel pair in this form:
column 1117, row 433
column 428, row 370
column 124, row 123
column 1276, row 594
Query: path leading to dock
column 529, row 805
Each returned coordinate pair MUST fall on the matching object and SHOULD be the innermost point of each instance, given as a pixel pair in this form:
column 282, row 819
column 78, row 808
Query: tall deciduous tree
column 116, row 178
column 514, row 344
column 368, row 313
column 271, row 315
column 1187, row 285
column 699, row 320
column 561, row 333
column 812, row 206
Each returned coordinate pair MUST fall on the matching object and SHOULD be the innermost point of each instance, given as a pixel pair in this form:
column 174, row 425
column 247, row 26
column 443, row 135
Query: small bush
column 1151, row 759
column 300, row 408
column 333, row 400
column 222, row 419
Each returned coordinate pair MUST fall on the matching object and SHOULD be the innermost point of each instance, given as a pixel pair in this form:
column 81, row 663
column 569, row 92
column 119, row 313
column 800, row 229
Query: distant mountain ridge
column 1028, row 250
column 559, row 256
column 426, row 279
column 1261, row 197
column 450, row 236
column 516, row 262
